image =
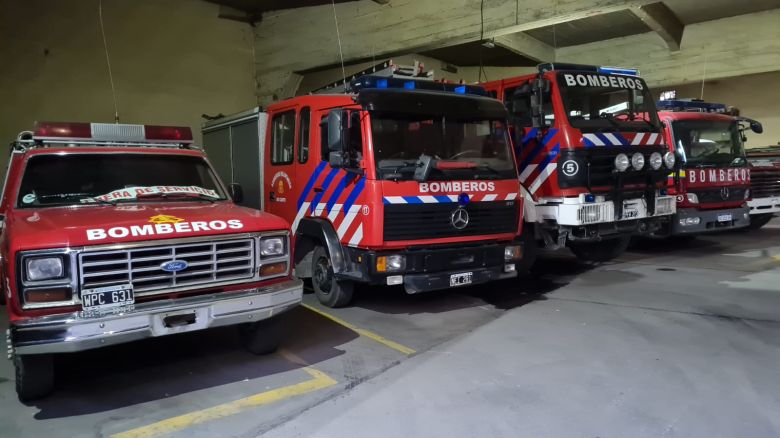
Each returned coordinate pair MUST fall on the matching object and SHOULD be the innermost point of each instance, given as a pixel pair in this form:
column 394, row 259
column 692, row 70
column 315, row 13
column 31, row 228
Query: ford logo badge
column 174, row 266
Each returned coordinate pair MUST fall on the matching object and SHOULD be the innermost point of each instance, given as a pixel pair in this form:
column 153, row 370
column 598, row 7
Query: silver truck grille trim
column 208, row 262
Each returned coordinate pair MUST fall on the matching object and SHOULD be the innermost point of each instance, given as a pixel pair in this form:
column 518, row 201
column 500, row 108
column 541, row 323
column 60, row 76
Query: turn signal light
column 273, row 269
column 47, row 295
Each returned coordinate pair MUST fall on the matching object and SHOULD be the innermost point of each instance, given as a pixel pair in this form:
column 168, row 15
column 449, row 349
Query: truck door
column 287, row 149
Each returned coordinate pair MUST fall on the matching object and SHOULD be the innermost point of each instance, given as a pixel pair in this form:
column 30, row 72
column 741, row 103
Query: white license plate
column 100, row 299
column 724, row 217
column 629, row 213
column 461, row 279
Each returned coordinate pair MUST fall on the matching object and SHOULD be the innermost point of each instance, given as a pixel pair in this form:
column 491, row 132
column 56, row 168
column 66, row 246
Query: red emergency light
column 111, row 133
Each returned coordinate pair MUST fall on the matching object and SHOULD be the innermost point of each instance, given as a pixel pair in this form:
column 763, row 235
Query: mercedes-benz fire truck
column 764, row 184
column 113, row 233
column 398, row 181
column 591, row 157
column 712, row 184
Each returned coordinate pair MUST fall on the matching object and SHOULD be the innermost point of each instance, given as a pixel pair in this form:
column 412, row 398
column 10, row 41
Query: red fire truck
column 113, row 233
column 712, row 185
column 398, row 182
column 764, row 184
column 591, row 157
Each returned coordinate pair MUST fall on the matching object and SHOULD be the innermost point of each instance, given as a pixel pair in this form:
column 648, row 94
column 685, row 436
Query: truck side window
column 355, row 135
column 519, row 105
column 324, row 151
column 303, row 135
column 282, row 138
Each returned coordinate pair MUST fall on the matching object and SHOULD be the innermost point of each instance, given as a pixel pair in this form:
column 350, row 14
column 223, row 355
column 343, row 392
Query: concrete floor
column 666, row 341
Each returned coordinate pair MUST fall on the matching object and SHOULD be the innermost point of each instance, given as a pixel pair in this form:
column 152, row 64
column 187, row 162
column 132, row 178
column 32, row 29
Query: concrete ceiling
column 591, row 29
column 697, row 11
column 257, row 7
column 474, row 54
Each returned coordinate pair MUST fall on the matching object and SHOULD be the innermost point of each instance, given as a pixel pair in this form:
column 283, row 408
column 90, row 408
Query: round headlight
column 656, row 160
column 621, row 162
column 669, row 160
column 638, row 161
column 44, row 268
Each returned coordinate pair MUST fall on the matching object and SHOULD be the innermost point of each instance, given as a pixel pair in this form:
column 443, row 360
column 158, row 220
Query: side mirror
column 236, row 192
column 338, row 123
column 756, row 127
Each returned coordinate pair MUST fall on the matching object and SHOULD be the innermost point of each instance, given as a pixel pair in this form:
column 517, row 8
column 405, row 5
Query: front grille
column 433, row 221
column 209, row 262
column 764, row 183
column 716, row 195
column 664, row 205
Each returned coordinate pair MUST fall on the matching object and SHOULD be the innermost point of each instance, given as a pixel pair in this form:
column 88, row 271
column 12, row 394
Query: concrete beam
column 729, row 47
column 382, row 2
column 305, row 38
column 527, row 46
column 658, row 17
column 228, row 13
column 276, row 85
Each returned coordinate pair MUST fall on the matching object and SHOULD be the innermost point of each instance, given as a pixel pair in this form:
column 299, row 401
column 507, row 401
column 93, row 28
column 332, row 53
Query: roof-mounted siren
column 372, row 81
column 691, row 105
column 550, row 66
column 112, row 133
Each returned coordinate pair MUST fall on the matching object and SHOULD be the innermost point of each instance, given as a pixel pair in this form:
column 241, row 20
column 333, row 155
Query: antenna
column 108, row 62
column 703, row 77
column 341, row 52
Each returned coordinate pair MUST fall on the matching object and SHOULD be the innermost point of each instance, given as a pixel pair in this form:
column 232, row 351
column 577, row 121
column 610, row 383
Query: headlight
column 656, row 160
column 638, row 161
column 512, row 252
column 272, row 246
column 621, row 162
column 747, row 194
column 692, row 198
column 391, row 263
column 669, row 160
column 44, row 268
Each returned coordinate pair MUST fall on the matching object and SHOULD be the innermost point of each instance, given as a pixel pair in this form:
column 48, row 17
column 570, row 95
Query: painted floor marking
column 318, row 381
column 363, row 332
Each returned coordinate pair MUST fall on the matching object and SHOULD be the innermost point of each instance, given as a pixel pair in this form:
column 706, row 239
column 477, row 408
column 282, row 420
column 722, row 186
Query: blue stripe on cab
column 310, row 183
column 353, row 195
column 442, row 198
column 347, row 178
column 325, row 185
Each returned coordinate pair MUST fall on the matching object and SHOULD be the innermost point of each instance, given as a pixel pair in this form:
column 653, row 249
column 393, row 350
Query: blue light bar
column 370, row 81
column 619, row 71
column 691, row 105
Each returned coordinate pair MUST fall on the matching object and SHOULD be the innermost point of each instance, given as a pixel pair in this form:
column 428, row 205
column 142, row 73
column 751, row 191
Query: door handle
column 271, row 196
column 318, row 190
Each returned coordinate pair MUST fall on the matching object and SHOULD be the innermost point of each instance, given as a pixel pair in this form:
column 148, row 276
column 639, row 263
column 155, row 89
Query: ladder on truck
column 384, row 69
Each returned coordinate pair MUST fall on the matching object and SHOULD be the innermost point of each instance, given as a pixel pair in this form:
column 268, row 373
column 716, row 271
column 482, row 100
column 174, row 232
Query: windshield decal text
column 135, row 192
column 606, row 81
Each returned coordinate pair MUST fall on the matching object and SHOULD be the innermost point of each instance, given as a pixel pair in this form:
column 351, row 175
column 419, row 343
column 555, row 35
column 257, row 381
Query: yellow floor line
column 318, row 381
column 363, row 332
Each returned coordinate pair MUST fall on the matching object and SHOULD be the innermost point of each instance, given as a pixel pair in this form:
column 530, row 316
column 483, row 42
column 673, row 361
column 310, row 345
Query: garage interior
column 675, row 337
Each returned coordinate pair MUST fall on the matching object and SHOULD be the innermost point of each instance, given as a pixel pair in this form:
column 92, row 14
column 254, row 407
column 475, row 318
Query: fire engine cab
column 764, row 184
column 591, row 156
column 113, row 233
column 712, row 184
column 395, row 181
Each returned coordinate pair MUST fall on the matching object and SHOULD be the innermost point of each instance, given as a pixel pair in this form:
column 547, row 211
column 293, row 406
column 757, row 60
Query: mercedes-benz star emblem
column 724, row 193
column 459, row 218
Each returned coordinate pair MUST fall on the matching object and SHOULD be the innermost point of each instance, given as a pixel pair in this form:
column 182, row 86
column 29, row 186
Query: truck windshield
column 79, row 179
column 707, row 143
column 602, row 103
column 478, row 148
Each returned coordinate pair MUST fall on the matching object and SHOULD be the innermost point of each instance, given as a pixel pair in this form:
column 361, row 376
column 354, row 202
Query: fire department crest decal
column 165, row 219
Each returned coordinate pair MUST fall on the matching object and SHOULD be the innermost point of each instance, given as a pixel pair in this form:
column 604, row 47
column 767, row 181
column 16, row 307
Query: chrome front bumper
column 574, row 213
column 74, row 332
column 764, row 205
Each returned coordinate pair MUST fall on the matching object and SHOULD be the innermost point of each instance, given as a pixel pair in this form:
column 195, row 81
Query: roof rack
column 385, row 69
column 47, row 134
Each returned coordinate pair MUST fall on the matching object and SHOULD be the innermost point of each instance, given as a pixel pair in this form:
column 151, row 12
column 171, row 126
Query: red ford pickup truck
column 114, row 233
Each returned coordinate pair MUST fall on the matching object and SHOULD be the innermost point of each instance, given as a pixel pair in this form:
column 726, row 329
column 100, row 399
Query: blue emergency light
column 549, row 66
column 691, row 105
column 370, row 81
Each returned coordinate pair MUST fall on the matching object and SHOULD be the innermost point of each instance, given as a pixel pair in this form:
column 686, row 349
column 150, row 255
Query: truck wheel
column 262, row 337
column 34, row 376
column 530, row 250
column 329, row 291
column 759, row 220
column 601, row 251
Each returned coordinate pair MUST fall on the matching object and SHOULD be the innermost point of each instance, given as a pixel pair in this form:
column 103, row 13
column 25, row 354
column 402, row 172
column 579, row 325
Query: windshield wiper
column 611, row 119
column 396, row 168
column 167, row 195
column 492, row 170
column 79, row 196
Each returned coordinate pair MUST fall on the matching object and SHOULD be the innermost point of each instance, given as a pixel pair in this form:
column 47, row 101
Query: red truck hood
column 59, row 227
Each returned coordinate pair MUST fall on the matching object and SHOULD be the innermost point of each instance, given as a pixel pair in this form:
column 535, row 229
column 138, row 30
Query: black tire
column 262, row 337
column 34, row 376
column 601, row 251
column 759, row 220
column 329, row 291
column 530, row 250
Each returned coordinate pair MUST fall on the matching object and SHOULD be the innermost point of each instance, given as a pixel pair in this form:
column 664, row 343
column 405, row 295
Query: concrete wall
column 757, row 96
column 172, row 60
